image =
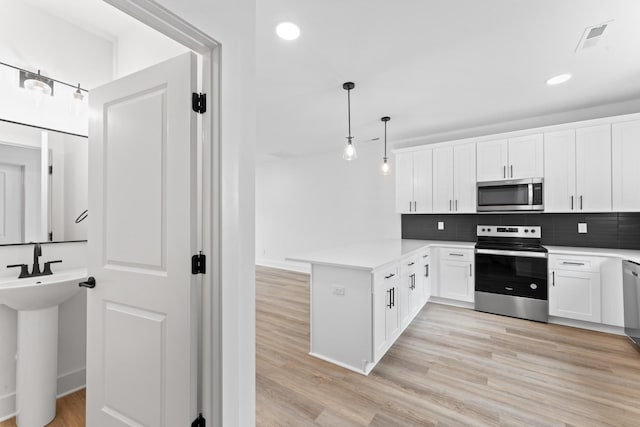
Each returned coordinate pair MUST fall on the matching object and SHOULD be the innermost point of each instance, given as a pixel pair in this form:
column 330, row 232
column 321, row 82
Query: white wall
column 232, row 23
column 72, row 323
column 140, row 47
column 321, row 202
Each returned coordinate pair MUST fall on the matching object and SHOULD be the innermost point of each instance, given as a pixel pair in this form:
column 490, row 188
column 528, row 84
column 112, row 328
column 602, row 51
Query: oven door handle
column 512, row 253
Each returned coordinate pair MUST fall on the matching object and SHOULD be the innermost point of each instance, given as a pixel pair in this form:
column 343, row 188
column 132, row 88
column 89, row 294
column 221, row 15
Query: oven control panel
column 520, row 231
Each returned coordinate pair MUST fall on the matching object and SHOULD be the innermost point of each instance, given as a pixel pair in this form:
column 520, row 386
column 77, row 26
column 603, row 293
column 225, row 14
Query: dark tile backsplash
column 604, row 230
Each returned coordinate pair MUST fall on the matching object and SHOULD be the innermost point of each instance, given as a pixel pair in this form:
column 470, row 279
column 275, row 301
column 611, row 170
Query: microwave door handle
column 530, row 194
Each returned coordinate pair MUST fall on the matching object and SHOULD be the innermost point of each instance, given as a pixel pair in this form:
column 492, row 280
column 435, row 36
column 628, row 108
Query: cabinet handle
column 456, row 205
column 504, row 171
column 455, row 254
column 425, row 256
column 389, row 276
column 511, row 171
column 426, row 270
column 634, row 274
column 581, row 202
column 415, row 206
column 411, row 263
column 393, row 297
column 409, row 205
column 571, row 202
column 553, row 278
column 449, row 205
column 572, row 263
column 470, row 272
column 389, row 305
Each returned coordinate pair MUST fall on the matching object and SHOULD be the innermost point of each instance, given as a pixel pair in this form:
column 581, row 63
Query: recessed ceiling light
column 556, row 80
column 288, row 31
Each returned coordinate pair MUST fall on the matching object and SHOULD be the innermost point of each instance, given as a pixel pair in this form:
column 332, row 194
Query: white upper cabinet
column 578, row 170
column 414, row 182
column 593, row 168
column 560, row 171
column 454, row 179
column 464, row 178
column 626, row 166
column 492, row 160
column 525, row 157
column 443, row 179
column 511, row 158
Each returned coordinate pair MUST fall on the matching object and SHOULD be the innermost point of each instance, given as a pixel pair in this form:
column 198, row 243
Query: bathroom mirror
column 43, row 185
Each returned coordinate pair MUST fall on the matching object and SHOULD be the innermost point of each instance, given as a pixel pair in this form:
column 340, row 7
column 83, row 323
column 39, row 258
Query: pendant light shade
column 386, row 169
column 77, row 95
column 349, row 152
column 36, row 83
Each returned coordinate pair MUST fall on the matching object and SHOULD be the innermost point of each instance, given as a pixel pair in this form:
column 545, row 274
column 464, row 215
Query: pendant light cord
column 385, row 139
column 349, row 111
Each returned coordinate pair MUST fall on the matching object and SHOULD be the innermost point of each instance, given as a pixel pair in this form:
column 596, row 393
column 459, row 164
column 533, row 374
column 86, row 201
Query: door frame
column 162, row 20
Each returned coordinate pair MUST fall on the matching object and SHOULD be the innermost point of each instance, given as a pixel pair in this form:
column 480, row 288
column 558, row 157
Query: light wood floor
column 451, row 366
column 70, row 412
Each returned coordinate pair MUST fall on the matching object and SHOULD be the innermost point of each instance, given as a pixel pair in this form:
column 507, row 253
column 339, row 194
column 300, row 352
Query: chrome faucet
column 35, row 270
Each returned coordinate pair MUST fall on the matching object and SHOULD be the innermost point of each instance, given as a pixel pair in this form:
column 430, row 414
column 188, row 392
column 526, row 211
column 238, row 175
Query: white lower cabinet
column 425, row 275
column 456, row 273
column 386, row 313
column 575, row 291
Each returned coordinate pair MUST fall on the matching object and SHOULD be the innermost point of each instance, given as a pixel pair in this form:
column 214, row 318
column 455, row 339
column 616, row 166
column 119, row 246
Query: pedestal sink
column 37, row 300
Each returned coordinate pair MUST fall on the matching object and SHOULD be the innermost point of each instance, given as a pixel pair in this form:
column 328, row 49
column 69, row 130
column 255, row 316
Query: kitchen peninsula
column 363, row 296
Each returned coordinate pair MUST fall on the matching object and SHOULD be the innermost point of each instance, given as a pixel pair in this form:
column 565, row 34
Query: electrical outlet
column 582, row 227
column 440, row 225
column 338, row 290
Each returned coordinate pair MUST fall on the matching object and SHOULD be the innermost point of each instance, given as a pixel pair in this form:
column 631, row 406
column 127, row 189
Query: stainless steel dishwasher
column 631, row 287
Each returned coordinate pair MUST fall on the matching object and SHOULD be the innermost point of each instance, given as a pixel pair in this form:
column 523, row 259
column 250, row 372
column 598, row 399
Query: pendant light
column 349, row 152
column 386, row 169
column 77, row 95
column 36, row 83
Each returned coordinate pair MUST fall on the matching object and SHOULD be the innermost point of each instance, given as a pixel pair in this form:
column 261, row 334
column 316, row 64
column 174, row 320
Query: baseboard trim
column 598, row 327
column 68, row 383
column 285, row 265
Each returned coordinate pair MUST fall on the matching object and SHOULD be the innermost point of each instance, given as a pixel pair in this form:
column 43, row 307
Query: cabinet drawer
column 386, row 274
column 575, row 263
column 453, row 254
column 409, row 265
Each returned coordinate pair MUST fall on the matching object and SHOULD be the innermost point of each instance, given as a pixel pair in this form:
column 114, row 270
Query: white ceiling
column 433, row 66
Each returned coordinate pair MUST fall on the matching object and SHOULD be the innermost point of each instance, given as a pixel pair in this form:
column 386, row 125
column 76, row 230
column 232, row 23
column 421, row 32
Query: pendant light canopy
column 386, row 169
column 349, row 152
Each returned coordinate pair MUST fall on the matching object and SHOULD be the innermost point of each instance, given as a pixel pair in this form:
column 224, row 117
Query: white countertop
column 625, row 254
column 371, row 255
column 375, row 254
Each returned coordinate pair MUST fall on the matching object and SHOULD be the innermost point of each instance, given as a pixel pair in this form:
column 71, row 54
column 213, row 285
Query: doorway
column 207, row 178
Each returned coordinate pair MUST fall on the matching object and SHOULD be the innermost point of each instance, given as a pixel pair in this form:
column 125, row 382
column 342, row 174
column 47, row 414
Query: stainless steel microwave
column 510, row 195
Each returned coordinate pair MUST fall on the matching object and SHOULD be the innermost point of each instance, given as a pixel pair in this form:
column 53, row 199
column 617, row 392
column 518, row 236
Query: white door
column 423, row 181
column 443, row 179
column 626, row 166
column 141, row 318
column 560, row 171
column 575, row 295
column 11, row 204
column 404, row 182
column 492, row 160
column 593, row 168
column 464, row 178
column 525, row 157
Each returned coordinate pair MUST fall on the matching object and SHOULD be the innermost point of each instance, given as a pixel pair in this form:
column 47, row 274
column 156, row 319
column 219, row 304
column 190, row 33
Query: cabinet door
column 560, row 171
column 392, row 317
column 626, row 166
column 425, row 275
column 492, row 160
column 381, row 301
column 423, row 181
column 593, row 168
column 404, row 182
column 464, row 178
column 443, row 179
column 456, row 280
column 575, row 295
column 525, row 157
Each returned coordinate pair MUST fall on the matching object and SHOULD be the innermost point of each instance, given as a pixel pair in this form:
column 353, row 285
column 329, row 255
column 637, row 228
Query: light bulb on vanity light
column 386, row 169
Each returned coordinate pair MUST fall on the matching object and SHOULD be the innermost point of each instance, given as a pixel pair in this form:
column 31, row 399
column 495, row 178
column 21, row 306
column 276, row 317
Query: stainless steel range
column 511, row 272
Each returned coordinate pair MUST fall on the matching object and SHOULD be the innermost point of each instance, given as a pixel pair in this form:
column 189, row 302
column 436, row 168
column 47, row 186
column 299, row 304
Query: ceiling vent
column 592, row 36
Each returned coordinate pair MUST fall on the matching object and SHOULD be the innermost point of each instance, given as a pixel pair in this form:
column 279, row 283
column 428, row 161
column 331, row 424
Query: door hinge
column 199, row 102
column 51, row 170
column 198, row 264
column 199, row 422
